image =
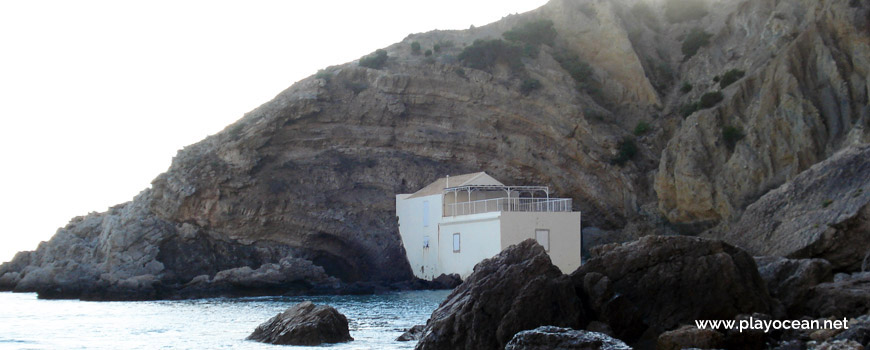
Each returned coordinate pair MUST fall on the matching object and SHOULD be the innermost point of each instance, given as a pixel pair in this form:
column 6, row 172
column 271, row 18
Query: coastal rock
column 823, row 213
column 516, row 290
column 557, row 338
column 304, row 324
column 448, row 281
column 849, row 297
column 796, row 105
column 669, row 281
column 690, row 337
column 413, row 333
column 859, row 330
column 791, row 280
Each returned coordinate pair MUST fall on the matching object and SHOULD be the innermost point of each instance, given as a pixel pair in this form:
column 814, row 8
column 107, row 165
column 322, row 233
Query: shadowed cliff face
column 312, row 174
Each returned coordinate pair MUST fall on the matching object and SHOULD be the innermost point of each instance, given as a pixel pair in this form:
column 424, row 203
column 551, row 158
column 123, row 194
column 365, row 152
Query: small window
column 456, row 242
column 425, row 213
column 543, row 238
column 425, row 241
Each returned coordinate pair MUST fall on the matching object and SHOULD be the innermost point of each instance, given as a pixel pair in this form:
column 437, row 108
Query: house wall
column 479, row 239
column 565, row 238
column 423, row 261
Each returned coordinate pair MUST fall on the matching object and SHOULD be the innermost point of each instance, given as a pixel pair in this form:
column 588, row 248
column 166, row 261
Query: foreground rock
column 690, row 337
column 518, row 289
column 557, row 338
column 658, row 283
column 304, row 324
column 791, row 280
column 413, row 333
column 848, row 296
column 823, row 213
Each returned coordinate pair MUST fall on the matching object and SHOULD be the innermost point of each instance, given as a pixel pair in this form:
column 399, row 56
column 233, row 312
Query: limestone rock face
column 823, row 213
column 518, row 289
column 803, row 98
column 557, row 338
column 304, row 324
column 668, row 281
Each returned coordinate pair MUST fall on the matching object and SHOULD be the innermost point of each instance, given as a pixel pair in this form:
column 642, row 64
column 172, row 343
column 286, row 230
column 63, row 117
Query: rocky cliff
column 613, row 103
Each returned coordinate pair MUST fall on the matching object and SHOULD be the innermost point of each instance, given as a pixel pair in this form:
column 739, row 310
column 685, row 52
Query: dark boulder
column 665, row 281
column 791, row 280
column 690, row 337
column 304, row 324
column 448, row 281
column 516, row 290
column 557, row 338
column 844, row 297
column 412, row 333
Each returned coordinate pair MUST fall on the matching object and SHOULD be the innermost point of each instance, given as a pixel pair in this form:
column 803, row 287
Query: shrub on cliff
column 641, row 128
column 710, row 99
column 731, row 134
column 580, row 71
column 484, row 54
column 686, row 87
column 730, row 77
column 375, row 60
column 534, row 33
column 415, row 48
column 695, row 40
column 528, row 85
column 627, row 151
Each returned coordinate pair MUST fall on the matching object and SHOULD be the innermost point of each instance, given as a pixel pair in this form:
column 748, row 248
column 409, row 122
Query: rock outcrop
column 844, row 297
column 304, row 324
column 413, row 333
column 791, row 280
column 558, row 338
column 311, row 175
column 657, row 283
column 823, row 213
column 690, row 337
column 518, row 289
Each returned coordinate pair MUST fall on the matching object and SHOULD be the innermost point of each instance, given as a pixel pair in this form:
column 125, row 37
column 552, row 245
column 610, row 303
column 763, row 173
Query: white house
column 457, row 221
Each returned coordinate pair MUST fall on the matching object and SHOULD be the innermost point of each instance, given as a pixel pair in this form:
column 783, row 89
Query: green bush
column 415, row 48
column 684, row 10
column 484, row 54
column 533, row 33
column 460, row 72
column 694, row 41
column 627, row 151
column 323, row 74
column 578, row 70
column 436, row 48
column 716, row 79
column 428, row 53
column 730, row 77
column 686, row 87
column 528, row 85
column 689, row 108
column 731, row 135
column 375, row 60
column 641, row 128
column 710, row 99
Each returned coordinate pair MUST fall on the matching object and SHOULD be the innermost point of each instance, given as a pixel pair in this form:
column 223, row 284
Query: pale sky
column 96, row 97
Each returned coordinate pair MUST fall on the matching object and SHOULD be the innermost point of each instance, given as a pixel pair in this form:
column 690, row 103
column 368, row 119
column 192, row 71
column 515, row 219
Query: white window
column 425, row 241
column 543, row 238
column 456, row 242
column 425, row 213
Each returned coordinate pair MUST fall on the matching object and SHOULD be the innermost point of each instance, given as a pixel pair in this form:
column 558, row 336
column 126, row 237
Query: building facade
column 457, row 221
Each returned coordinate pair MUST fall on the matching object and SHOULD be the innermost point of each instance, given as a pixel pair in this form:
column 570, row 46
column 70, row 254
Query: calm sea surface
column 29, row 323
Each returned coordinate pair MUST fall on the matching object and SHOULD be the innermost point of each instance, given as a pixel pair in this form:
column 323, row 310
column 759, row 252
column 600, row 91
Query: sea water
column 221, row 323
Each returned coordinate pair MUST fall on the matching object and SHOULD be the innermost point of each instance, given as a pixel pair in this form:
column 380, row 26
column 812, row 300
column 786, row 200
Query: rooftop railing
column 508, row 204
